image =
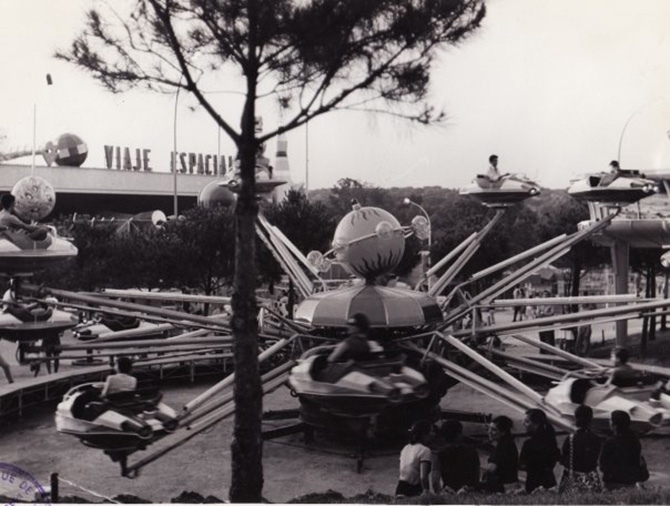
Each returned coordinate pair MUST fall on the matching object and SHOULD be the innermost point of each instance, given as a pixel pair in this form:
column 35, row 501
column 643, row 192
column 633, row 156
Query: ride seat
column 579, row 389
column 30, row 316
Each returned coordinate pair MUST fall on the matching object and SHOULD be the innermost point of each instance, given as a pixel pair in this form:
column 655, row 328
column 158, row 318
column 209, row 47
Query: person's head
column 358, row 324
column 7, row 201
column 451, row 430
column 583, row 416
column 620, row 355
column 493, row 160
column 619, row 421
column 614, row 166
column 420, row 432
column 124, row 365
column 535, row 421
column 500, row 427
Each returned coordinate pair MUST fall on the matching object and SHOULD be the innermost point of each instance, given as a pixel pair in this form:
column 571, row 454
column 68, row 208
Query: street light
column 409, row 202
column 174, row 149
column 425, row 253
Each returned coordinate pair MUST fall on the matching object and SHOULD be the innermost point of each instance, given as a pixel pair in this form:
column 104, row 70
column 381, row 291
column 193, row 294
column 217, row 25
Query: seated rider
column 122, row 381
column 614, row 173
column 13, row 304
column 622, row 374
column 357, row 346
column 493, row 174
column 9, row 219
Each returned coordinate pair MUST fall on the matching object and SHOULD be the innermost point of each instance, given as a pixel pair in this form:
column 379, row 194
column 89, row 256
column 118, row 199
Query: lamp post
column 409, row 202
column 425, row 253
column 174, row 151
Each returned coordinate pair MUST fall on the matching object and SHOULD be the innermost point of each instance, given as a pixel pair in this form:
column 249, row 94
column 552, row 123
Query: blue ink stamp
column 17, row 485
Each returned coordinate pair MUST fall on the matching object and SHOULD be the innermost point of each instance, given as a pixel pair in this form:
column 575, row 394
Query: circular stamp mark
column 17, row 485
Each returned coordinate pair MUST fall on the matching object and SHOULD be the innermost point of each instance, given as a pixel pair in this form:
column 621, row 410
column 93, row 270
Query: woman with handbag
column 579, row 456
column 621, row 460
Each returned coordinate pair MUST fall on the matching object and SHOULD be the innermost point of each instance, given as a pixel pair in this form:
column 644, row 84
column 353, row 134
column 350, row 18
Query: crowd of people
column 438, row 460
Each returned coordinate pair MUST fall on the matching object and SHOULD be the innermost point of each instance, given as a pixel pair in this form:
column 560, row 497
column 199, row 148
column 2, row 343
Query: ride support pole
column 54, row 488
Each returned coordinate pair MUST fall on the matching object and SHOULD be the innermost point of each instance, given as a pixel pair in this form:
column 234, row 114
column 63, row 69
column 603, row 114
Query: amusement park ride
column 425, row 351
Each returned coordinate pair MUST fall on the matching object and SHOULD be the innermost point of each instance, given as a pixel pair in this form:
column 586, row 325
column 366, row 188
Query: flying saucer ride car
column 21, row 254
column 121, row 423
column 506, row 191
column 107, row 325
column 360, row 388
column 592, row 389
column 625, row 188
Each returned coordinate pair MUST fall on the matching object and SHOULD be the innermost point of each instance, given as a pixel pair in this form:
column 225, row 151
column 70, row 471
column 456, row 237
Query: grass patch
column 629, row 496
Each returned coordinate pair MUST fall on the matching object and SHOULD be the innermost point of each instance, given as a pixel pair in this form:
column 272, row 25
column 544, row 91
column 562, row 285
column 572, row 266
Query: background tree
column 312, row 58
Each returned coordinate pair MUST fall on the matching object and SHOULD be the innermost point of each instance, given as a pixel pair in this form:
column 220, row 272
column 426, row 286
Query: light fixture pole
column 425, row 252
column 174, row 151
column 409, row 202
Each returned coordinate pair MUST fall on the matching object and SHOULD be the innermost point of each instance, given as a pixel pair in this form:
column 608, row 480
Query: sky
column 555, row 88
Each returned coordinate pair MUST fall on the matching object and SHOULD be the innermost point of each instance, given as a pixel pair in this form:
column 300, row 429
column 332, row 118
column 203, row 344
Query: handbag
column 575, row 481
column 643, row 471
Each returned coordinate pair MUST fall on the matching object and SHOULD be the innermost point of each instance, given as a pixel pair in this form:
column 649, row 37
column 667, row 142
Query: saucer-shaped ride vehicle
column 30, row 322
column 22, row 253
column 506, row 191
column 109, row 324
column 123, row 422
column 625, row 188
column 360, row 388
column 641, row 399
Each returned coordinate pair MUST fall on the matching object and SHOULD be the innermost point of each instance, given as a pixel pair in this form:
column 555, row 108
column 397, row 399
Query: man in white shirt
column 122, row 381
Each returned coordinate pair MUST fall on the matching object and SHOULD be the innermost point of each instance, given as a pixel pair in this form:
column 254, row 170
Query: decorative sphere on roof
column 71, row 151
column 35, row 198
column 213, row 194
column 369, row 242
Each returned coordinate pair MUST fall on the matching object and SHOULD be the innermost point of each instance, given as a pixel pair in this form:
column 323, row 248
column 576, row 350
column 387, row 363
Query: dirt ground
column 291, row 468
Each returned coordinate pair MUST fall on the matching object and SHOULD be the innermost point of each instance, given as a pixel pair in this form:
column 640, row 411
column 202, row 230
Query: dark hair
column 503, row 423
column 620, row 420
column 583, row 416
column 359, row 320
column 419, row 431
column 621, row 354
column 7, row 200
column 493, row 157
column 124, row 365
column 614, row 163
column 539, row 418
column 451, row 429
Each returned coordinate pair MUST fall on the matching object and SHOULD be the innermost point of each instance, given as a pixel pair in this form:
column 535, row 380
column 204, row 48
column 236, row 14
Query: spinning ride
column 606, row 188
column 508, row 190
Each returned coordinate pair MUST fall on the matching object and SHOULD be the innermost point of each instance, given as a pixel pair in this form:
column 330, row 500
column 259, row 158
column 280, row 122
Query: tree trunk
column 246, row 447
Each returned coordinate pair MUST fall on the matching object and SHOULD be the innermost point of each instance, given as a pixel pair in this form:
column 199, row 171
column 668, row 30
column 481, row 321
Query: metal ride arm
column 194, row 320
column 286, row 242
column 457, row 266
column 209, row 419
column 286, row 254
column 491, row 389
column 520, row 275
column 200, row 414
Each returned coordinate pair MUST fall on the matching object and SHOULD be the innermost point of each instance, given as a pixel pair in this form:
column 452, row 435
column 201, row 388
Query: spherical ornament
column 72, row 151
column 35, row 198
column 374, row 242
column 213, row 194
column 384, row 230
